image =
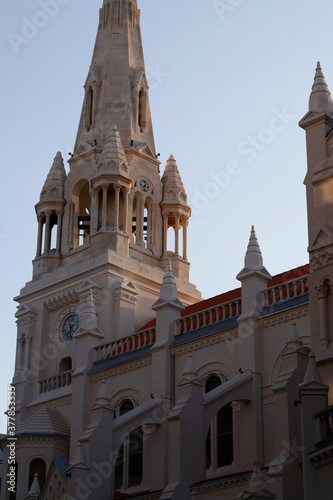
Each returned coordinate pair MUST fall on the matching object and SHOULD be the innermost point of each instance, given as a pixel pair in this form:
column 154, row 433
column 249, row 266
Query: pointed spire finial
column 294, row 337
column 312, row 374
column 102, row 397
column 253, row 257
column 190, row 372
column 320, row 98
column 78, row 461
column 169, row 287
column 34, row 491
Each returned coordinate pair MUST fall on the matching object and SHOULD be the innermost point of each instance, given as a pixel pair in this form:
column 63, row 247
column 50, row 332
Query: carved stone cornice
column 203, row 342
column 220, row 485
column 278, row 318
column 119, row 370
column 42, row 442
column 62, row 300
column 321, row 259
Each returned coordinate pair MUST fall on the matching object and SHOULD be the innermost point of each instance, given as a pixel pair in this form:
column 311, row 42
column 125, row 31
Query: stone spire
column 113, row 155
column 78, row 461
column 53, row 189
column 253, row 261
column 117, row 96
column 320, row 99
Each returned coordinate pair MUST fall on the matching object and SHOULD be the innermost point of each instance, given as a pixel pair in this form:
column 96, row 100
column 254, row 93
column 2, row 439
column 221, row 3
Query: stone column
column 139, row 223
column 105, row 188
column 40, row 218
column 185, row 239
column 177, row 235
column 126, row 195
column 71, row 225
column 165, row 234
column 59, row 230
column 28, row 341
column 95, row 209
column 323, row 291
column 116, row 188
column 47, row 241
column 153, row 230
column 18, row 363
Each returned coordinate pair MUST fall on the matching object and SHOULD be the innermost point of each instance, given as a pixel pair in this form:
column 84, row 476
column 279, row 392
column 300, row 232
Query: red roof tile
column 236, row 294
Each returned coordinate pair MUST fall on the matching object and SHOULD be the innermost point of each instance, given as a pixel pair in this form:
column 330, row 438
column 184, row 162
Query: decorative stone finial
column 169, row 287
column 78, row 461
column 190, row 372
column 253, row 257
column 34, row 491
column 320, row 98
column 294, row 337
column 312, row 375
column 102, row 397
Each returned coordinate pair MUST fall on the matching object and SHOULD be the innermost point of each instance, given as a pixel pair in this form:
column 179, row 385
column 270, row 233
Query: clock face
column 70, row 326
column 144, row 186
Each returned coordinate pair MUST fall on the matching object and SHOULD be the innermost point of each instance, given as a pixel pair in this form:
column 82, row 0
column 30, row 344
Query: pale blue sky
column 220, row 72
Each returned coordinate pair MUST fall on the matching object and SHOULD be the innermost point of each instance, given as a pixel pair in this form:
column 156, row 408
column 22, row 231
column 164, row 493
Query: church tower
column 102, row 250
column 318, row 124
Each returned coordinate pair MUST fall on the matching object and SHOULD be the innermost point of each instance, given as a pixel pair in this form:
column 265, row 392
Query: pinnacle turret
column 320, row 99
column 113, row 156
column 173, row 187
column 53, row 188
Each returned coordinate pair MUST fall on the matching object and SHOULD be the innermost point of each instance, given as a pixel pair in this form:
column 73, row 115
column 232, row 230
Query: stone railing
column 136, row 341
column 285, row 291
column 324, row 420
column 208, row 316
column 55, row 382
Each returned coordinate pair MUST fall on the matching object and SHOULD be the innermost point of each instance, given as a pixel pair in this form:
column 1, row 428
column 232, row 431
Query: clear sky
column 229, row 80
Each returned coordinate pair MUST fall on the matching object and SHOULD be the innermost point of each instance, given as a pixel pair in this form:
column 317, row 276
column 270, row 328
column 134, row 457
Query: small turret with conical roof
column 175, row 210
column 50, row 208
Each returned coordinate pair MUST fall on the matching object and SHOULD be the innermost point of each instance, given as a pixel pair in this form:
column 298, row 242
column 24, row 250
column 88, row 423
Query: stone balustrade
column 207, row 316
column 285, row 291
column 131, row 343
column 56, row 382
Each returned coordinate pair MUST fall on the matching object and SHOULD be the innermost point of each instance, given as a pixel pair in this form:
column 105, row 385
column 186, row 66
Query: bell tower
column 318, row 124
column 101, row 245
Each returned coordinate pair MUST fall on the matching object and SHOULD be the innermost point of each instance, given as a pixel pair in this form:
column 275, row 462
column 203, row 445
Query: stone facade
column 128, row 384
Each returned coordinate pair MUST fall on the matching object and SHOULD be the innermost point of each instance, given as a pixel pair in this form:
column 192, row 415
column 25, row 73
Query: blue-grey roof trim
column 121, row 358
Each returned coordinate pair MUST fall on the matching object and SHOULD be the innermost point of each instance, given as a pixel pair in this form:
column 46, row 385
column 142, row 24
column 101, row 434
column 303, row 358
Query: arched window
column 90, row 108
column 130, row 454
column 142, row 109
column 38, row 467
column 82, row 216
column 219, row 441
